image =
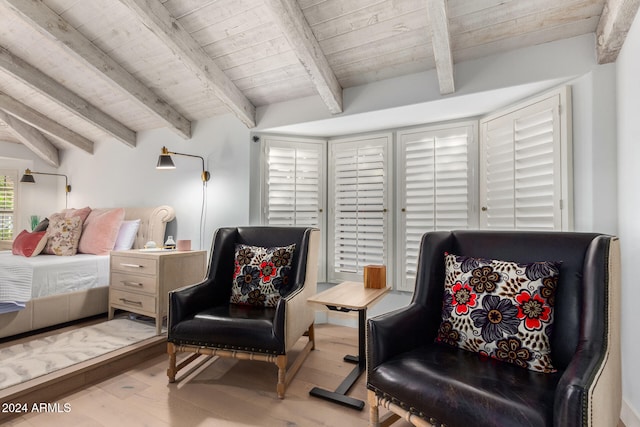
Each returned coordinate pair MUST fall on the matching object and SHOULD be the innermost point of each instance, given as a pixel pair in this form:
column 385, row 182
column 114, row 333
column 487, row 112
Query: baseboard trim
column 628, row 416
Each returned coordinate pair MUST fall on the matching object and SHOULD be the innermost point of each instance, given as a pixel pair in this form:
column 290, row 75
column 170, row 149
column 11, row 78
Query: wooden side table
column 349, row 296
column 141, row 280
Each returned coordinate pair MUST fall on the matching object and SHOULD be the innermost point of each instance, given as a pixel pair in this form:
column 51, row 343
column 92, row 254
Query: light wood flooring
column 221, row 392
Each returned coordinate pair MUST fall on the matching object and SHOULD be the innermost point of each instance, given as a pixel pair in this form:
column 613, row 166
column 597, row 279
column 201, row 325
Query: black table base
column 340, row 393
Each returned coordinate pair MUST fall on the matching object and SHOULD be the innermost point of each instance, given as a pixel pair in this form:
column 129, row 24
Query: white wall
column 117, row 175
column 594, row 151
column 628, row 108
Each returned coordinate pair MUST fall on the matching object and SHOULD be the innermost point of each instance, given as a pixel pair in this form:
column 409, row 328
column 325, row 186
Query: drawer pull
column 128, row 301
column 131, row 265
column 127, row 283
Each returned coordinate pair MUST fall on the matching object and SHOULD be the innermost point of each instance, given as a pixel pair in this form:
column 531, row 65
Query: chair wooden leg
column 172, row 371
column 312, row 337
column 374, row 420
column 281, row 362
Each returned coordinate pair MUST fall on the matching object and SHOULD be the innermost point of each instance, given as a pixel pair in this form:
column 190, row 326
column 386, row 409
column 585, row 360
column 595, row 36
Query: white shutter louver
column 359, row 205
column 435, row 192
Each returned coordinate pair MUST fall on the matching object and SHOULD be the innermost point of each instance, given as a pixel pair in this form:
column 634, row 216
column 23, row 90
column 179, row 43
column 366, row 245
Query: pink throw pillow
column 100, row 231
column 82, row 213
column 29, row 244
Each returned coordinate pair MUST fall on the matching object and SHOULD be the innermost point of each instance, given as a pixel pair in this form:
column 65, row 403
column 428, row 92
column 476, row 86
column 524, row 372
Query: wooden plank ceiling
column 75, row 72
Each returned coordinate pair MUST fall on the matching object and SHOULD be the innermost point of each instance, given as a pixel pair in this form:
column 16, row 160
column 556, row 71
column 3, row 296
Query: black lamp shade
column 165, row 162
column 27, row 177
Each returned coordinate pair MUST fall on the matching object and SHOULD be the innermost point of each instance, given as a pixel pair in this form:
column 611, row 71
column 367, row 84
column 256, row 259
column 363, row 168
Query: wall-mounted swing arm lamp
column 166, row 162
column 28, row 178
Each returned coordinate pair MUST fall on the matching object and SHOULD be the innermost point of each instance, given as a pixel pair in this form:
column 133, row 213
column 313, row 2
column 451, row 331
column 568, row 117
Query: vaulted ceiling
column 75, row 72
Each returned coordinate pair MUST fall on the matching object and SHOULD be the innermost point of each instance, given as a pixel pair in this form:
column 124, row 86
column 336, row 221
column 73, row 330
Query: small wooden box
column 375, row 276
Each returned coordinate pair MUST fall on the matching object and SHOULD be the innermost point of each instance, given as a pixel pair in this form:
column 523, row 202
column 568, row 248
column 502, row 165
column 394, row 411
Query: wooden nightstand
column 141, row 280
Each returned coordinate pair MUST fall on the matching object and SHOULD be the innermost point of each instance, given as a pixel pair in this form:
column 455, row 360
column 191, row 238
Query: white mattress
column 22, row 279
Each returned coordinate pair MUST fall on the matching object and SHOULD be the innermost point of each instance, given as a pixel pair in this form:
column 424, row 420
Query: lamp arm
column 67, row 187
column 205, row 173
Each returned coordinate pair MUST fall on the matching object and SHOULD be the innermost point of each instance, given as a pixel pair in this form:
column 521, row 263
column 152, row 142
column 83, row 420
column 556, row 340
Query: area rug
column 29, row 360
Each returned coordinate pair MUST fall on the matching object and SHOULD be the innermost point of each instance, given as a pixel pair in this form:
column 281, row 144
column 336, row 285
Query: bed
column 84, row 288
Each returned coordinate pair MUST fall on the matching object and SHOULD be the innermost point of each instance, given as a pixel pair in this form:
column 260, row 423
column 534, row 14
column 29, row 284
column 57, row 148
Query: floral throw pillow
column 262, row 275
column 63, row 235
column 500, row 309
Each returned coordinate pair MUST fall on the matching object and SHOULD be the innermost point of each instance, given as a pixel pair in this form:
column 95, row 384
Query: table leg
column 339, row 395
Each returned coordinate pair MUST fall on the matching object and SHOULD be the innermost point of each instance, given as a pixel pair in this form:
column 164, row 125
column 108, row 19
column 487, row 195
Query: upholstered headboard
column 153, row 222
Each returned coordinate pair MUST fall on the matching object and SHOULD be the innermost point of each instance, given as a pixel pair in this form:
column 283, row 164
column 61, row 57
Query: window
column 7, row 204
column 359, row 182
column 525, row 166
column 294, row 183
column 294, row 186
column 435, row 188
column 509, row 170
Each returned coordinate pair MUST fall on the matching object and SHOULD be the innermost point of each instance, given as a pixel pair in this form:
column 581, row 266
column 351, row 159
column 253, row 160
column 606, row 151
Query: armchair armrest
column 187, row 300
column 299, row 314
column 586, row 388
column 591, row 383
column 395, row 332
column 571, row 393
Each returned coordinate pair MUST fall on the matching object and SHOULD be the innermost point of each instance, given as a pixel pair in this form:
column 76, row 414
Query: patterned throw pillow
column 500, row 309
column 261, row 275
column 63, row 235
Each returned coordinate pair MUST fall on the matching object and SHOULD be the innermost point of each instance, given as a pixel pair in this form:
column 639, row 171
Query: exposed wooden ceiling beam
column 43, row 123
column 32, row 139
column 62, row 96
column 66, row 37
column 158, row 19
column 438, row 17
column 291, row 20
column 615, row 21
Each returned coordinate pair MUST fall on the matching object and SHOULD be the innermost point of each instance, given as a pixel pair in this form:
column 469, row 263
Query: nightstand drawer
column 133, row 265
column 128, row 282
column 133, row 301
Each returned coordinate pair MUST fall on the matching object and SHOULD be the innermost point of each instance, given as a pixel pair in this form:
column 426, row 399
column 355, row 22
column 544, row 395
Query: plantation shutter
column 359, row 198
column 294, row 184
column 522, row 181
column 7, row 204
column 436, row 182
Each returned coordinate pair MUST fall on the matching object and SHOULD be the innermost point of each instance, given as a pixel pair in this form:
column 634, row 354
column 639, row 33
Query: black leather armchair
column 202, row 320
column 426, row 382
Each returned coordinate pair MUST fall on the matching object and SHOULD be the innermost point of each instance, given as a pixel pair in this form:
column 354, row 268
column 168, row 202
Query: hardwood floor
column 221, row 392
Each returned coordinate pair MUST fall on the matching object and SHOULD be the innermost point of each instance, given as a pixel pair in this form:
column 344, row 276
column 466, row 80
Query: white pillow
column 127, row 235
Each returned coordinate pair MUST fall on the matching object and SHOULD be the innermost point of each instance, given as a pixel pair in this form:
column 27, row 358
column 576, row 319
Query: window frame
column 471, row 126
column 13, row 174
column 332, row 275
column 294, row 143
column 563, row 158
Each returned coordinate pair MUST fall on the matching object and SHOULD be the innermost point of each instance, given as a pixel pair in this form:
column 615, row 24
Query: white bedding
column 22, row 278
